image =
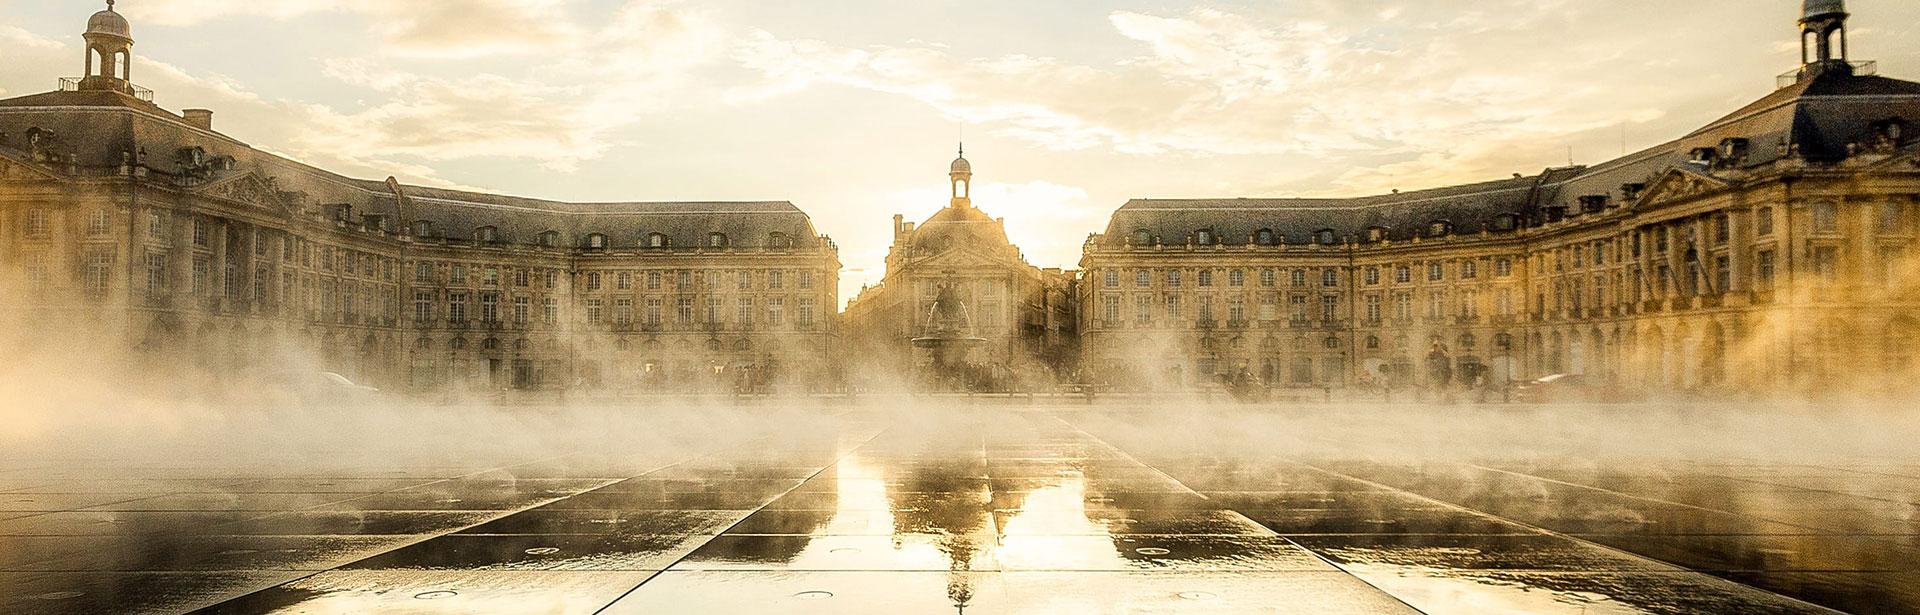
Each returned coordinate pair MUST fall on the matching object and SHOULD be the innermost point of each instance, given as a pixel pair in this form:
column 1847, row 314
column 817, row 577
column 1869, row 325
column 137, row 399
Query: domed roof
column 960, row 165
column 109, row 23
column 1822, row 8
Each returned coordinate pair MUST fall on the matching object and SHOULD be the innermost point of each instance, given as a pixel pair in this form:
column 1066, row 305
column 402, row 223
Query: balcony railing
column 72, row 84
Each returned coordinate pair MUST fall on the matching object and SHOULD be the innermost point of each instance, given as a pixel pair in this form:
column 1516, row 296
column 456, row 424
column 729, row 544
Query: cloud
column 1439, row 93
column 1034, row 211
column 443, row 28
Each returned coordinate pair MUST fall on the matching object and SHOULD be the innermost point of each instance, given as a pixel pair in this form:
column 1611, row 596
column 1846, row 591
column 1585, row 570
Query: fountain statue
column 947, row 333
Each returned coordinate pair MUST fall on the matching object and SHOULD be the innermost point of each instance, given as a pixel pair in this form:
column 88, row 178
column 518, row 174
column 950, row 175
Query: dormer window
column 1632, row 191
column 422, row 229
column 778, row 240
column 1704, row 156
column 1506, row 222
column 486, row 234
column 1733, row 150
column 1263, row 237
column 1326, row 237
column 716, row 240
column 1439, row 228
column 1890, row 132
column 596, row 241
column 374, row 222
column 1376, row 234
column 550, row 239
column 1593, row 203
column 656, row 240
column 1203, row 237
column 1142, row 237
column 340, row 212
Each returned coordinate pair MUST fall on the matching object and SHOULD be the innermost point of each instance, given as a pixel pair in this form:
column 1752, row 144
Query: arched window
column 778, row 240
column 458, row 343
column 491, row 343
column 1203, row 237
column 1373, row 342
column 1263, row 236
column 1326, row 237
column 486, row 234
column 595, row 241
column 550, row 239
column 656, row 240
column 716, row 240
column 1142, row 237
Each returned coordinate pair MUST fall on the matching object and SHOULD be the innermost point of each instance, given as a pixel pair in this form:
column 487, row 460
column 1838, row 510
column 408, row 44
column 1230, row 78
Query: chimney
column 198, row 118
column 898, row 224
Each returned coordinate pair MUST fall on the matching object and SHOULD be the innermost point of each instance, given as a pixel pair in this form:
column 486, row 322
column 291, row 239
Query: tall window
column 1826, row 263
column 1329, row 308
column 1142, row 278
column 1237, row 309
column 804, row 280
column 683, row 310
column 623, row 311
column 594, row 311
column 550, row 310
column 1206, row 278
column 653, row 311
column 99, row 272
column 1330, row 277
column 593, row 281
column 1762, row 222
column 1112, row 308
column 39, row 224
column 1173, row 306
column 1436, row 271
column 743, row 311
column 1236, row 278
column 457, row 307
column 776, row 279
column 1143, row 309
column 623, row 280
column 489, row 307
column 1893, row 218
column 1826, row 218
column 1402, row 274
column 1470, row 269
column 1268, row 278
column 806, row 312
column 1173, row 278
column 713, row 310
column 1371, row 308
column 98, row 223
column 1110, row 278
column 522, row 309
column 1502, row 267
column 776, row 311
column 423, row 273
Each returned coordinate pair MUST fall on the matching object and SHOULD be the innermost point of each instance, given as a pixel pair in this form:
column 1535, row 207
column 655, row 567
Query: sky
column 851, row 109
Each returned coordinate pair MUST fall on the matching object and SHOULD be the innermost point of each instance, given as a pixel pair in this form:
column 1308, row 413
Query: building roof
column 1820, row 118
column 93, row 132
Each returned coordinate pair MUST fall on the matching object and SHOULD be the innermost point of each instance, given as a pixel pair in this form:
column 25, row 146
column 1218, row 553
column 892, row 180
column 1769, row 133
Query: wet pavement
column 994, row 511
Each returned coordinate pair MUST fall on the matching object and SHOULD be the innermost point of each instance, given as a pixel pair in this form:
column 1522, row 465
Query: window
column 422, row 229
column 1439, row 229
column 1237, row 309
column 806, row 312
column 805, row 279
column 1142, row 237
column 1722, row 274
column 1402, row 274
column 486, row 234
column 457, row 307
column 623, row 280
column 1470, row 269
column 1173, row 307
column 713, row 310
column 1142, row 278
column 1762, row 223
column 202, row 269
column 1436, row 271
column 1436, row 305
column 1826, row 218
column 596, row 241
column 1236, row 278
column 522, row 310
column 743, row 280
column 1297, row 278
column 593, row 281
column 594, row 311
column 422, row 273
column 98, row 223
column 1203, row 237
column 1111, row 278
column 1297, row 309
column 776, row 311
column 522, row 277
column 776, row 279
column 98, row 275
column 1326, row 237
column 1268, row 278
column 457, row 275
column 423, row 306
column 1329, row 308
column 549, row 239
column 1264, row 236
column 1143, row 309
column 623, row 311
column 1722, row 229
column 1330, row 277
column 550, row 310
column 157, row 224
column 1826, row 263
column 1206, row 278
column 743, row 311
column 1111, row 303
column 491, row 276
column 489, row 307
column 653, row 311
column 202, row 232
column 1502, row 267
column 1371, row 308
column 656, row 240
column 1403, row 306
column 1269, row 306
column 683, row 310
column 1173, row 278
column 1893, row 218
column 716, row 240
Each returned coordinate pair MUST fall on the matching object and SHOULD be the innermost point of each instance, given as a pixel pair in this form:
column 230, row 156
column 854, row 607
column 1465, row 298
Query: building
column 1771, row 248
column 193, row 246
column 958, row 305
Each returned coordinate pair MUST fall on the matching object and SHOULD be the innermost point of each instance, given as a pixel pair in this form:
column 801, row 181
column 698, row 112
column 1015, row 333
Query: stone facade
column 1772, row 248
column 192, row 245
column 1021, row 315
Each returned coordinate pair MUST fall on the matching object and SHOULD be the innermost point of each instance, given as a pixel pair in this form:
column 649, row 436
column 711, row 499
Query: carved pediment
column 249, row 189
column 1680, row 185
column 964, row 258
column 12, row 170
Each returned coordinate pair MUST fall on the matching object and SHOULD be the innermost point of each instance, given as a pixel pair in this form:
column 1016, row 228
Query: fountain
column 947, row 333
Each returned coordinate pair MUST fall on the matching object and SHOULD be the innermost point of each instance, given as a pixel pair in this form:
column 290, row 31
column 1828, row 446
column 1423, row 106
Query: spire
column 1823, row 38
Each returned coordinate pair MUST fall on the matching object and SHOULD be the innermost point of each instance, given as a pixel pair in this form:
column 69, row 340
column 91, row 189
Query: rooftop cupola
column 961, row 174
column 109, row 52
column 1823, row 38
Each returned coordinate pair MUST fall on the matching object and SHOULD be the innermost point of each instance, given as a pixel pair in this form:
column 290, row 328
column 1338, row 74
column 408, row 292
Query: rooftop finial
column 963, row 149
column 109, row 5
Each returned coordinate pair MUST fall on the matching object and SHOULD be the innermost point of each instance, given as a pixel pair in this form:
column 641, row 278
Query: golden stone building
column 959, row 305
column 153, row 227
column 1771, row 248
